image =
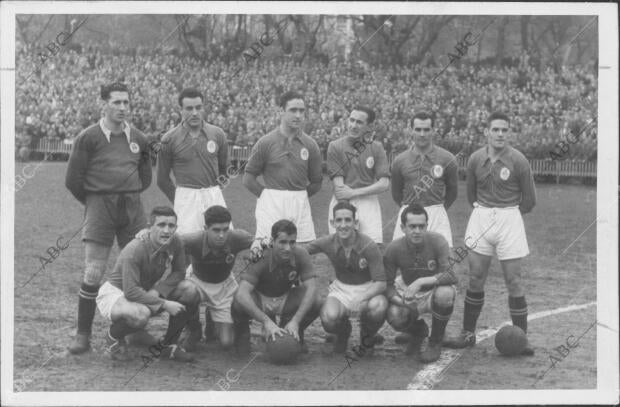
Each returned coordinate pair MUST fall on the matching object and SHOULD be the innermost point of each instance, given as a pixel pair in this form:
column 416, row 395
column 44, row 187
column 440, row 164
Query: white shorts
column 368, row 214
column 190, row 205
column 422, row 301
column 347, row 294
column 273, row 205
column 218, row 297
column 272, row 305
column 107, row 297
column 438, row 222
column 497, row 229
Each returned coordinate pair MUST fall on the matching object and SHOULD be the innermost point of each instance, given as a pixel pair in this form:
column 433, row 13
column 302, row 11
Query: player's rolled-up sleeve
column 315, row 163
column 382, row 166
column 256, row 162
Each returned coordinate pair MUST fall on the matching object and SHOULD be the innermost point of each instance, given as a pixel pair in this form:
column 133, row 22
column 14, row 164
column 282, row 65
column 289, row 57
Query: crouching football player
column 266, row 290
column 360, row 280
column 148, row 279
column 425, row 284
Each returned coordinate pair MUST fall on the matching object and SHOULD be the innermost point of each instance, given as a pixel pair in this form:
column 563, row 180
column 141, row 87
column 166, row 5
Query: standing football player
column 360, row 280
column 425, row 284
column 426, row 174
column 290, row 162
column 267, row 290
column 148, row 279
column 360, row 171
column 108, row 168
column 500, row 187
column 197, row 153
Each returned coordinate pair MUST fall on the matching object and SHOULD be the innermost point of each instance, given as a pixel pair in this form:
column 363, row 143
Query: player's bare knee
column 94, row 271
column 330, row 319
column 226, row 341
column 444, row 296
column 186, row 293
column 396, row 316
column 476, row 283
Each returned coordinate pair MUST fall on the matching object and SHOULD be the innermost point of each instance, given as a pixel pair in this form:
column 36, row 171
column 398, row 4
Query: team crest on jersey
column 211, row 146
column 437, row 171
column 504, row 174
column 292, row 276
column 432, row 265
column 230, row 258
column 134, row 147
column 304, row 154
column 370, row 162
column 363, row 263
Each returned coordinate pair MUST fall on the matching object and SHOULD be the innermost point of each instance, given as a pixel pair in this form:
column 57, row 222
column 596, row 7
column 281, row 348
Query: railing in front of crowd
column 238, row 155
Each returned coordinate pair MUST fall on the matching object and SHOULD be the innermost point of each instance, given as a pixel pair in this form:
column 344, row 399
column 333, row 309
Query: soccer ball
column 283, row 350
column 510, row 340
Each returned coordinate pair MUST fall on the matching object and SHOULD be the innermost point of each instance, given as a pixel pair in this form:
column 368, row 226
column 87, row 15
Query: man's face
column 344, row 223
column 358, row 123
column 191, row 111
column 117, row 107
column 283, row 245
column 422, row 133
column 414, row 228
column 294, row 113
column 497, row 133
column 163, row 229
column 217, row 233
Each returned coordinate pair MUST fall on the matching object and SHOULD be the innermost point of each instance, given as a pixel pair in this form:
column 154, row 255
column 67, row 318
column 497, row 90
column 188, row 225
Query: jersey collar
column 107, row 132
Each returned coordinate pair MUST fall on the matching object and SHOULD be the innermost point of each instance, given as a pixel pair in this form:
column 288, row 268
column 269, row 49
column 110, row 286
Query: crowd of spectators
column 63, row 98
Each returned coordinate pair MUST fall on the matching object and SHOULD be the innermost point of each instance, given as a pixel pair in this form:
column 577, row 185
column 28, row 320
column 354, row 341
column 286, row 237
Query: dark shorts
column 109, row 215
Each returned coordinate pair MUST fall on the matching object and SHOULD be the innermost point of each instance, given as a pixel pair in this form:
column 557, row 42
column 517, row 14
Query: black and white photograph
column 309, row 203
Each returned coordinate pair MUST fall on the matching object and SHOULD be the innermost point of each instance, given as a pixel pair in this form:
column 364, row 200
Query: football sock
column 194, row 323
column 518, row 312
column 473, row 306
column 441, row 316
column 86, row 308
column 177, row 323
column 413, row 323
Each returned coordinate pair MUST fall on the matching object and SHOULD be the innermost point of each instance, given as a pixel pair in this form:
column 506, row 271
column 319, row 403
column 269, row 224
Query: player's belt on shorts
column 477, row 205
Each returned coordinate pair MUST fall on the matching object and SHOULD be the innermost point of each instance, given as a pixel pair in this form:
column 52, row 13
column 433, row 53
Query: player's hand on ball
column 173, row 307
column 293, row 328
column 272, row 330
column 143, row 235
column 411, row 291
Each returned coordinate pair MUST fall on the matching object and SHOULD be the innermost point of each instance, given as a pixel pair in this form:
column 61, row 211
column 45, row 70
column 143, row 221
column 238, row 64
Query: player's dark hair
column 106, row 90
column 190, row 93
column 344, row 205
column 423, row 116
column 161, row 211
column 217, row 214
column 414, row 209
column 497, row 116
column 370, row 114
column 283, row 225
column 290, row 95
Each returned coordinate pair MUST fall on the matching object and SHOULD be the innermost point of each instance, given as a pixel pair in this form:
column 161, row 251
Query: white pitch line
column 433, row 373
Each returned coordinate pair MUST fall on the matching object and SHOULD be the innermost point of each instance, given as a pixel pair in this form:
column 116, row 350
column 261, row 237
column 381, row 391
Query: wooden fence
column 239, row 155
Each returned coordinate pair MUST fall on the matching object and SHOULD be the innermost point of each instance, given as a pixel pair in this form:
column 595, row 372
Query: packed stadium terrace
column 546, row 106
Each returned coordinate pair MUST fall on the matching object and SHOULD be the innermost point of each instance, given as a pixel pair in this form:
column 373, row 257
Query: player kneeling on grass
column 148, row 279
column 360, row 280
column 425, row 284
column 266, row 290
